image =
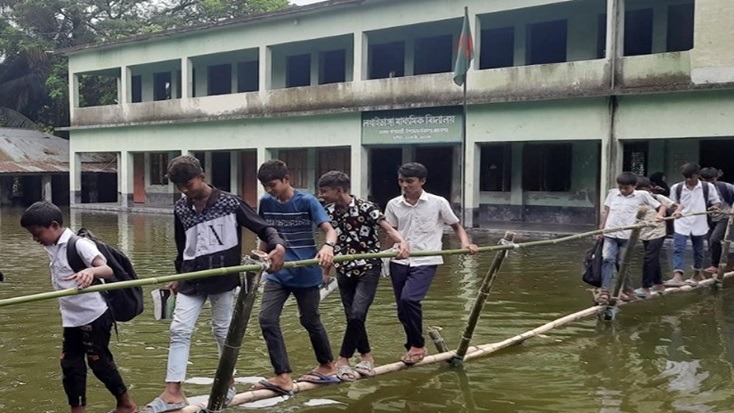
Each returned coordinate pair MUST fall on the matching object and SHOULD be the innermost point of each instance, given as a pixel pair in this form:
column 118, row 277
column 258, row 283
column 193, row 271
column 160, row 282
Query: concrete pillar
column 125, row 178
column 125, row 88
column 711, row 58
column 361, row 47
column 312, row 162
column 516, row 194
column 187, row 78
column 472, row 162
column 263, row 154
column 234, row 172
column 73, row 95
column 477, row 34
column 265, row 67
column 359, row 170
column 314, row 68
column 520, row 47
column 46, row 189
column 208, row 166
column 409, row 67
column 75, row 177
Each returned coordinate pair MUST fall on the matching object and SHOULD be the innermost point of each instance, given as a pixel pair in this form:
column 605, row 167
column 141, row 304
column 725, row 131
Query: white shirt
column 76, row 310
column 421, row 225
column 623, row 210
column 691, row 200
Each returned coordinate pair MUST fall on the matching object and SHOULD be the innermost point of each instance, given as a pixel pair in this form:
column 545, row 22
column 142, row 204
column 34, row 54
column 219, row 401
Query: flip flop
column 414, row 358
column 674, row 283
column 158, row 405
column 266, row 385
column 691, row 282
column 231, row 392
column 320, row 378
column 346, row 373
column 641, row 293
column 365, row 368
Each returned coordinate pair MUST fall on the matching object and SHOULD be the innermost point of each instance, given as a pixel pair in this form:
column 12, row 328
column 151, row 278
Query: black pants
column 357, row 295
column 651, row 272
column 90, row 341
column 410, row 285
column 308, row 300
column 716, row 235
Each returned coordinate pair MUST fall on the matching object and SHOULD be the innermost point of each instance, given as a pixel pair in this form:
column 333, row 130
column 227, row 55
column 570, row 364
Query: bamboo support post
column 435, row 334
column 482, row 297
column 237, row 327
column 725, row 249
column 621, row 279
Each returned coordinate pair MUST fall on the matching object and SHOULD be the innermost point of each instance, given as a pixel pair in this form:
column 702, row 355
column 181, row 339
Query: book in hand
column 164, row 301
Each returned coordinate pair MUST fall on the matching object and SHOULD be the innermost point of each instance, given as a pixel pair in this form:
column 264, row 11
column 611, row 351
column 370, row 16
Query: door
column 139, row 178
column 439, row 161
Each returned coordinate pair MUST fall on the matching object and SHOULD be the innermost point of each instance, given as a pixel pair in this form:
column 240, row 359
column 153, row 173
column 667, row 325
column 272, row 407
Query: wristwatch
column 331, row 244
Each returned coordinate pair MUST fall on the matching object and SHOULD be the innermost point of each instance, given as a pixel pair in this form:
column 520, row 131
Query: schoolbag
column 593, row 259
column 125, row 303
column 679, row 190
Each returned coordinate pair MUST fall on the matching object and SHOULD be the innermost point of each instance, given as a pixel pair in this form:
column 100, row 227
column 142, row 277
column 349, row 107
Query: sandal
column 602, row 298
column 365, row 368
column 346, row 373
column 410, row 358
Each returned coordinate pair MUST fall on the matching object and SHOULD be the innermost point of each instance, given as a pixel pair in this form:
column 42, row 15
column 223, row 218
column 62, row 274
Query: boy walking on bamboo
column 356, row 223
column 208, row 231
column 717, row 231
column 294, row 214
column 620, row 210
column 420, row 218
column 694, row 196
column 86, row 319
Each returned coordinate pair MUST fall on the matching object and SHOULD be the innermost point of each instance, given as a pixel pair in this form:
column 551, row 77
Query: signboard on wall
column 412, row 126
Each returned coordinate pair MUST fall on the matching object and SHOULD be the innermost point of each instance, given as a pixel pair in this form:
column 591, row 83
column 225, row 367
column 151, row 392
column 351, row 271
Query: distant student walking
column 86, row 319
column 693, row 196
column 420, row 218
column 652, row 239
column 356, row 223
column 717, row 228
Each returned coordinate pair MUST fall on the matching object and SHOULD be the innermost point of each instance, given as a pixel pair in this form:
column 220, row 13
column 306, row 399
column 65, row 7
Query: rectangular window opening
column 638, row 32
column 387, row 60
column 497, row 48
column 136, row 92
column 635, row 157
column 298, row 70
column 546, row 167
column 219, row 79
column 332, row 66
column 158, row 166
column 546, row 42
column 680, row 27
column 162, row 86
column 496, row 167
column 248, row 76
column 433, row 55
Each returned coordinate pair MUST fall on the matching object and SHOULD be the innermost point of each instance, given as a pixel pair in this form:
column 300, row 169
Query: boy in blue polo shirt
column 293, row 214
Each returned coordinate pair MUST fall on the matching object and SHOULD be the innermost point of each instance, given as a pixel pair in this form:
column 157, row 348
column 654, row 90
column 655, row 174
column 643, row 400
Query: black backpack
column 591, row 273
column 125, row 303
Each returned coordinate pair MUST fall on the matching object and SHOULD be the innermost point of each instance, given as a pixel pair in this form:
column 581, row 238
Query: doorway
column 384, row 164
column 717, row 154
column 440, row 163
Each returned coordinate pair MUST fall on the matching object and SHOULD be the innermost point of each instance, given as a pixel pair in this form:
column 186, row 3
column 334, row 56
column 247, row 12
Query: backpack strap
column 706, row 193
column 72, row 254
column 678, row 188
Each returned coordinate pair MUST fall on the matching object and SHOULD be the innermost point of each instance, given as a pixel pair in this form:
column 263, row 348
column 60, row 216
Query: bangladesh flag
column 464, row 52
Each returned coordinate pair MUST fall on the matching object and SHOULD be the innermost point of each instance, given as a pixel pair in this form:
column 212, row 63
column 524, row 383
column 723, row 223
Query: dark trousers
column 716, row 235
column 357, row 295
column 92, row 342
column 410, row 285
column 308, row 299
column 652, row 274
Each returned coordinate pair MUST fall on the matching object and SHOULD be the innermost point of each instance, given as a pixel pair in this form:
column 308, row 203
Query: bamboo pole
column 481, row 299
column 473, row 352
column 725, row 248
column 237, row 327
column 435, row 334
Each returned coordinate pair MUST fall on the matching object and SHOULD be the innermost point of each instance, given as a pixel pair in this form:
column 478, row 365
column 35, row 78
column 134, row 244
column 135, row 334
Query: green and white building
column 563, row 95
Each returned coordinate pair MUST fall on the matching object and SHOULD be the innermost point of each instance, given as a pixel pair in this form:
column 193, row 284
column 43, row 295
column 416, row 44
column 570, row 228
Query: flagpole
column 463, row 153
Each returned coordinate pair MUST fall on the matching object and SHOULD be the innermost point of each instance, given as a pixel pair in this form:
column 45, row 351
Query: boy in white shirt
column 86, row 319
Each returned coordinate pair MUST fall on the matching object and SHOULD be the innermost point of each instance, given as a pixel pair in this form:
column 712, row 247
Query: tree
column 33, row 79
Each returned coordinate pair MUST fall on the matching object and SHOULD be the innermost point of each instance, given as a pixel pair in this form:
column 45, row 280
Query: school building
column 562, row 96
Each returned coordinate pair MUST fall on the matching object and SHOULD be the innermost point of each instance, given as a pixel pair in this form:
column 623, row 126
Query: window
column 433, row 55
column 546, row 42
column 497, row 48
column 601, row 36
column 387, row 60
column 635, row 158
column 638, row 32
column 333, row 66
column 298, row 70
column 297, row 161
column 546, row 167
column 680, row 27
column 162, row 86
column 136, row 89
column 496, row 167
column 248, row 76
column 219, row 79
column 158, row 166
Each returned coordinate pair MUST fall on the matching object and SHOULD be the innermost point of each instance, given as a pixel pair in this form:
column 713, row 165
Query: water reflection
column 669, row 355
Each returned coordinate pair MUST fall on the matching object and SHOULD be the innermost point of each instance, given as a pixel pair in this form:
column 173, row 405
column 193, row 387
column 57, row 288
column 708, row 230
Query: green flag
column 464, row 52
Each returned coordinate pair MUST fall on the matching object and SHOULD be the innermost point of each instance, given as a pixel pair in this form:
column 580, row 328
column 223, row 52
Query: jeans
column 652, row 274
column 187, row 310
column 308, row 300
column 679, row 251
column 410, row 285
column 357, row 294
column 613, row 250
column 91, row 340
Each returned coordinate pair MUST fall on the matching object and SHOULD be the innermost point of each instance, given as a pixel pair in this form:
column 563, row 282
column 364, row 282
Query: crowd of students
column 686, row 202
column 207, row 230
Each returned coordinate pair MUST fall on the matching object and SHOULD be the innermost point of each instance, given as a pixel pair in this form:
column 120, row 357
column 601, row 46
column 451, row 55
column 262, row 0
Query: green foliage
column 34, row 80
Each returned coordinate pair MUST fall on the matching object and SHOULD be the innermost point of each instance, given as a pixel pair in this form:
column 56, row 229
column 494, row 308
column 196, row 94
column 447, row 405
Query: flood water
column 669, row 355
